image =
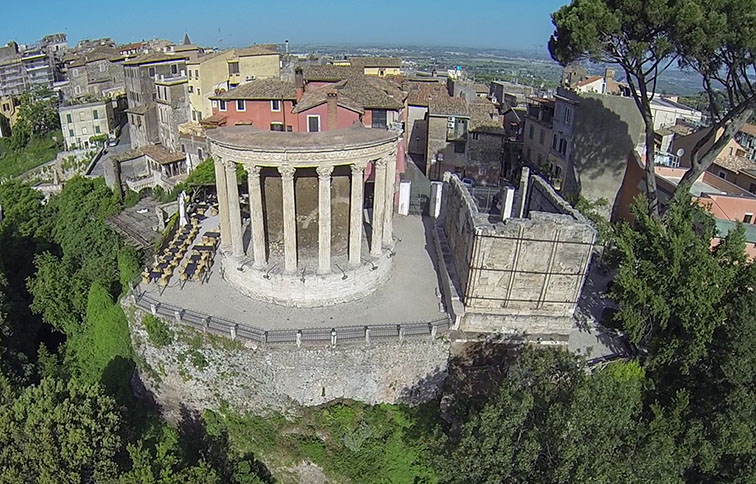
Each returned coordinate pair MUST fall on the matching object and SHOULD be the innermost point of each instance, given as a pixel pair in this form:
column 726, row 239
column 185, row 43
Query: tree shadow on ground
column 476, row 370
column 197, row 442
column 426, row 389
column 117, row 379
column 609, row 128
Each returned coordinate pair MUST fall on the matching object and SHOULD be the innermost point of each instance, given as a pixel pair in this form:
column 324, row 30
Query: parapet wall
column 543, row 198
column 521, row 275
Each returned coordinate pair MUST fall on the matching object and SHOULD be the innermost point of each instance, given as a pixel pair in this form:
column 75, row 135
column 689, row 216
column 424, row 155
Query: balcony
column 663, row 158
column 456, row 129
column 541, row 110
column 172, row 78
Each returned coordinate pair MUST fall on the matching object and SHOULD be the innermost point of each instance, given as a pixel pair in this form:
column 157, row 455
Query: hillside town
column 270, row 263
column 166, row 96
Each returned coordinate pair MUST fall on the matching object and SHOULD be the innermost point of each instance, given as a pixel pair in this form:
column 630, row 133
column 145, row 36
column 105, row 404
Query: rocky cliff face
column 200, row 371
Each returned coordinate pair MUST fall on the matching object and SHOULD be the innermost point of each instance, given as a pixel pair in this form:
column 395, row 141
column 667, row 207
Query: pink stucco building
column 339, row 100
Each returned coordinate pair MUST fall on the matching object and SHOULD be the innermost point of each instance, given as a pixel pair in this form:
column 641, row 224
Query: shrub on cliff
column 158, row 332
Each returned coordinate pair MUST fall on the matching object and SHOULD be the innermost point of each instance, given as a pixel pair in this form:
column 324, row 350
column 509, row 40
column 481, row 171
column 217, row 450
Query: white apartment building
column 81, row 122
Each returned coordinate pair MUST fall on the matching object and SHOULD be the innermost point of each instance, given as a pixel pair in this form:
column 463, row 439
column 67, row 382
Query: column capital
column 324, row 172
column 380, row 162
column 229, row 165
column 254, row 170
column 357, row 168
column 286, row 171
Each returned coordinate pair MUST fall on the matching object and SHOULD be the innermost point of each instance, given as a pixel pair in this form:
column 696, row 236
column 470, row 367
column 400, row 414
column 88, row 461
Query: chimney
column 332, row 98
column 299, row 82
column 609, row 74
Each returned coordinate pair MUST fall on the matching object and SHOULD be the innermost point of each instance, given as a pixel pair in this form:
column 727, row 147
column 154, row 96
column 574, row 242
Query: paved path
column 588, row 336
column 409, row 295
column 123, row 145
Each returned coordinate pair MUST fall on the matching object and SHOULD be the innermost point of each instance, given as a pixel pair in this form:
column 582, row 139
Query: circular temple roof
column 249, row 138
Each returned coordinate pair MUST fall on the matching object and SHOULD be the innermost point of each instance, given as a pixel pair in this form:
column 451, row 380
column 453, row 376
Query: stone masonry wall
column 521, row 275
column 529, row 267
column 459, row 213
column 543, row 198
column 202, row 371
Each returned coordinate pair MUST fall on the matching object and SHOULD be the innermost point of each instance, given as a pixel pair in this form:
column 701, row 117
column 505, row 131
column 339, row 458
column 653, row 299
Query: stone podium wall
column 201, row 371
column 532, row 266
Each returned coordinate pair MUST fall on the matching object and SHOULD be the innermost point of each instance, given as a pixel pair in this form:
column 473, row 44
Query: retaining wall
column 199, row 370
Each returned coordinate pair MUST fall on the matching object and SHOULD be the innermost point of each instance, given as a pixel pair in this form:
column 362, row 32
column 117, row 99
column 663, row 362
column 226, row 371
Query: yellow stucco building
column 221, row 71
column 378, row 66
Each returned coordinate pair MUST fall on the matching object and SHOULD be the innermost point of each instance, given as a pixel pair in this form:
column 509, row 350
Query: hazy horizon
column 503, row 25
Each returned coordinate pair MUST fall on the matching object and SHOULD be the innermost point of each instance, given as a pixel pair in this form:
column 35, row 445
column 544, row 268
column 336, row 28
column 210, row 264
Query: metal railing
column 484, row 196
column 333, row 335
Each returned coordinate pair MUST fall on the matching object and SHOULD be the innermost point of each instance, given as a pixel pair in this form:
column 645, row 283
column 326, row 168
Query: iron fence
column 419, row 204
column 246, row 332
column 485, row 197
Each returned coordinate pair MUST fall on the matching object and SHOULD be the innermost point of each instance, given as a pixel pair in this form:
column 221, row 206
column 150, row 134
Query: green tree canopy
column 638, row 35
column 58, row 433
column 718, row 40
column 203, row 174
column 551, row 422
column 715, row 38
column 37, row 115
column 673, row 312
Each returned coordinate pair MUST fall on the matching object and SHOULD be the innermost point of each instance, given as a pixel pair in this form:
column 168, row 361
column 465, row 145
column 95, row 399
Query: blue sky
column 488, row 23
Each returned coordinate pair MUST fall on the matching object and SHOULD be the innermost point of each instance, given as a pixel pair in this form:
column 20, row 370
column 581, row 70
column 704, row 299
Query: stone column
column 388, row 215
column 234, row 211
column 256, row 226
column 222, row 190
column 379, row 207
column 355, row 214
column 324, row 219
column 289, row 218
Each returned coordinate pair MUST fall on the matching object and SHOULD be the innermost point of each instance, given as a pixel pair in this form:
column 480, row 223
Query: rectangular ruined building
column 519, row 272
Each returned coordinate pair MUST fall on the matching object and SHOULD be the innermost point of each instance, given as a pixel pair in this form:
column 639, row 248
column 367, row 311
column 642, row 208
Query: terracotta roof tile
column 749, row 128
column 420, row 94
column 448, row 106
column 317, row 96
column 483, row 117
column 328, row 73
column 357, row 93
column 162, row 155
column 185, row 47
column 736, row 163
column 257, row 49
column 261, row 89
column 154, row 57
column 156, row 152
column 206, row 57
column 591, row 79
